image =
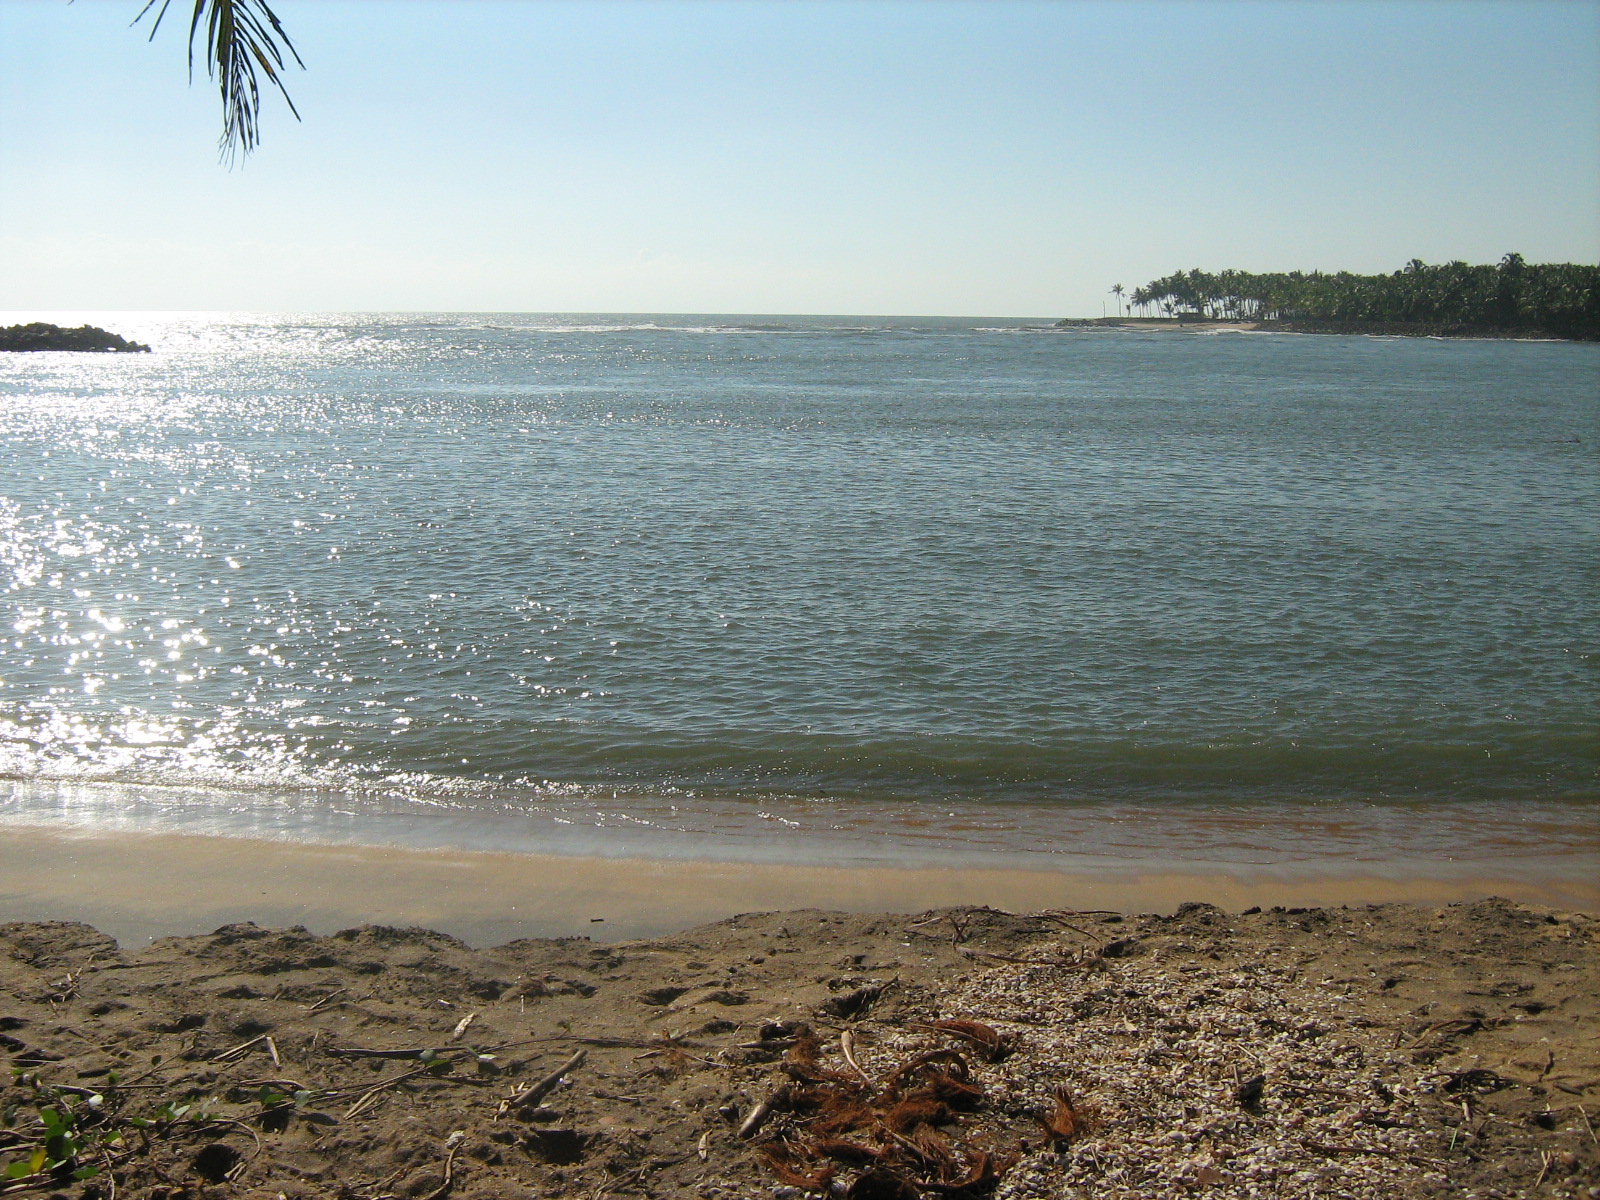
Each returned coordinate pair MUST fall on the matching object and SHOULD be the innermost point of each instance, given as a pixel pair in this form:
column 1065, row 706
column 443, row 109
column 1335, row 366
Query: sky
column 910, row 157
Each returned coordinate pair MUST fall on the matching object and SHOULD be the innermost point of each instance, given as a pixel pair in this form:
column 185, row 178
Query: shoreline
column 1410, row 329
column 1539, row 840
column 136, row 885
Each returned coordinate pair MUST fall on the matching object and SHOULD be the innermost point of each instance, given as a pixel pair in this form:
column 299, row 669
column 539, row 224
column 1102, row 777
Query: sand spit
column 1390, row 1051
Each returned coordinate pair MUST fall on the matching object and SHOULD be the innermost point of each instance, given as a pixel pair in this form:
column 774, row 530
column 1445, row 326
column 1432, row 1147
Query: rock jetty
column 41, row 336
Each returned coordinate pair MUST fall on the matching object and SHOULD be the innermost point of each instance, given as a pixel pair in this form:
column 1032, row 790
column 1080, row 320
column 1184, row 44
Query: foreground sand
column 1395, row 1051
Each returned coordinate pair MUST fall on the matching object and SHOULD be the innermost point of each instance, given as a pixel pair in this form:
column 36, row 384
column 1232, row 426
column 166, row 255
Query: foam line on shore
column 137, row 886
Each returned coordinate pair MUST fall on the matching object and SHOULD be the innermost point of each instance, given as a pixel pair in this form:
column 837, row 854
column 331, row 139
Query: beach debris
column 1065, row 1122
column 847, row 1047
column 529, row 1097
column 420, row 1053
column 330, row 996
column 1086, row 957
column 1248, row 1094
column 432, row 1065
column 1474, row 1079
column 990, row 1044
column 763, row 1109
column 241, row 1049
column 1121, row 1081
column 1545, row 1159
column 674, row 1050
column 961, row 920
column 893, row 1134
column 1434, row 1039
column 452, row 1146
column 462, row 1026
column 855, row 1003
column 1059, row 917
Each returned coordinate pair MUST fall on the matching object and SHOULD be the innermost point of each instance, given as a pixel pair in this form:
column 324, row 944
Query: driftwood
column 847, row 1044
column 541, row 1089
column 752, row 1124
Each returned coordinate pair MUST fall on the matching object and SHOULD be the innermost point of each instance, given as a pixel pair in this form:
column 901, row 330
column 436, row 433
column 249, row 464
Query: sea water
column 819, row 589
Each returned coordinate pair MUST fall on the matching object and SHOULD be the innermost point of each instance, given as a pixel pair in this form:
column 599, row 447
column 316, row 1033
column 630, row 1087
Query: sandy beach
column 581, row 622
column 1289, row 1039
column 138, row 886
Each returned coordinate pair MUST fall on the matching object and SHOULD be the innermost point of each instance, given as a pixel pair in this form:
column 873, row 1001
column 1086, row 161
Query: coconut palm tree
column 1558, row 298
column 1116, row 290
column 242, row 38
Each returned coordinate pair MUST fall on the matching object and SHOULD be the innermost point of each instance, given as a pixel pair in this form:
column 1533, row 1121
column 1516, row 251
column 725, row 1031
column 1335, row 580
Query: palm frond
column 243, row 40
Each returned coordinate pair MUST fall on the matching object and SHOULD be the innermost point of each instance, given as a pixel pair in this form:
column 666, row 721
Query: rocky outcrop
column 40, row 336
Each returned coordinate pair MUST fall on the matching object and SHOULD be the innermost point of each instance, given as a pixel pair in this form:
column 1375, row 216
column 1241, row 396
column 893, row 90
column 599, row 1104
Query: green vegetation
column 57, row 1134
column 66, row 1133
column 1553, row 299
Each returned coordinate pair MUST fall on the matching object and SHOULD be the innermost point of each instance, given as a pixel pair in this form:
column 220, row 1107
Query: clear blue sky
column 996, row 157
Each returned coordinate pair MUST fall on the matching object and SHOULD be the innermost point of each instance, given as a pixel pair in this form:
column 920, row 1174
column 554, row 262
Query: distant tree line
column 1560, row 299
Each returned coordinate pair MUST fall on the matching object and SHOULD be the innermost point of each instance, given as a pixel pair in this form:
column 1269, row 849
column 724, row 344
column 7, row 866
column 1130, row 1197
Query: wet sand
column 137, row 886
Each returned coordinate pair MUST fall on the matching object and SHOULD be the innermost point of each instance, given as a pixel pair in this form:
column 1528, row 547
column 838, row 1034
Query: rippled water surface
column 909, row 584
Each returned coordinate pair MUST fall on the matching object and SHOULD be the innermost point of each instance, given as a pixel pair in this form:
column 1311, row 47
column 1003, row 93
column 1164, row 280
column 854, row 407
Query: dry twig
column 751, row 1125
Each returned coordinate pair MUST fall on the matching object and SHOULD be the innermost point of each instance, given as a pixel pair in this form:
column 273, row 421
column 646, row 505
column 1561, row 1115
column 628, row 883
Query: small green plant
column 72, row 1133
column 63, row 1134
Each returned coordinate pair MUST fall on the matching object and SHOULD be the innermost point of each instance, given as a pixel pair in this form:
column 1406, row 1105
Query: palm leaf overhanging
column 242, row 37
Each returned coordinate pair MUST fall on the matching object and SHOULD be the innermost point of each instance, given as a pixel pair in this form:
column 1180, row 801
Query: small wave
column 1329, row 837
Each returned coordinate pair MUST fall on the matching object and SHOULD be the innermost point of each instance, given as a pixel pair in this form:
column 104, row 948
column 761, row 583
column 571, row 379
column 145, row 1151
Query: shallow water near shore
column 784, row 589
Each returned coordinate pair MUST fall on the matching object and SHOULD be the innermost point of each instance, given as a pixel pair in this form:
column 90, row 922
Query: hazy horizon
column 1008, row 159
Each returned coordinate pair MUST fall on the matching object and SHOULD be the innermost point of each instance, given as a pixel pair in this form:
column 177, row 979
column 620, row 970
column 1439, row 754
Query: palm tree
column 1116, row 290
column 1558, row 298
column 241, row 36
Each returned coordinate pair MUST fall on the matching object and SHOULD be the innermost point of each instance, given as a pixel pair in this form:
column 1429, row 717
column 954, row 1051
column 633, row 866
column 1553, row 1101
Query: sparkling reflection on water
column 932, row 583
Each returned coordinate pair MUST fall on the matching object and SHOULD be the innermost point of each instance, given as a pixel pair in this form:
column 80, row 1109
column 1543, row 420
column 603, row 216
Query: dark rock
column 42, row 336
